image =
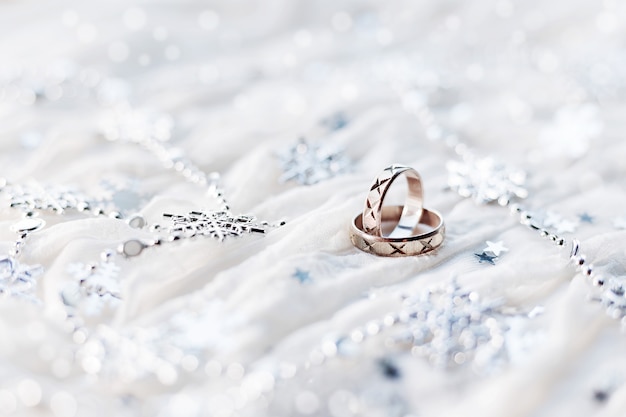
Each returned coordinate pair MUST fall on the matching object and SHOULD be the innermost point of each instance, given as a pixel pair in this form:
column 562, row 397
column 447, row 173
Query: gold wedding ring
column 417, row 230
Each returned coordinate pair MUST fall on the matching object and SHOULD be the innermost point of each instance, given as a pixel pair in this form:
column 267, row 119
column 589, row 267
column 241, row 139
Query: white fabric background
column 537, row 85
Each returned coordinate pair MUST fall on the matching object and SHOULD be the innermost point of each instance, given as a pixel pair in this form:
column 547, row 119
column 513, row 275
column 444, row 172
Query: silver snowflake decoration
column 94, row 287
column 309, row 163
column 18, row 280
column 215, row 224
column 486, row 180
column 453, row 326
column 34, row 196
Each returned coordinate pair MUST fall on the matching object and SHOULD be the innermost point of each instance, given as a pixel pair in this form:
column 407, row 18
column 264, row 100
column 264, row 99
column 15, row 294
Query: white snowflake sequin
column 35, row 196
column 19, row 280
column 453, row 326
column 486, row 180
column 94, row 288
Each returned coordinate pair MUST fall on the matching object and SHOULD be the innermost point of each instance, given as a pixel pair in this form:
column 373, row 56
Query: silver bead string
column 152, row 131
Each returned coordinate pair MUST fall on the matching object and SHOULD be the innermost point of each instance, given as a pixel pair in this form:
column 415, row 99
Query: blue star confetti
column 302, row 276
column 585, row 218
column 486, row 257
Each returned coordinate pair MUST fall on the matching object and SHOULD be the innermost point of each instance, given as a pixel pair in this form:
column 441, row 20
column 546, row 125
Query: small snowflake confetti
column 18, row 280
column 566, row 226
column 94, row 287
column 307, row 163
column 453, row 326
column 559, row 223
column 620, row 223
column 485, row 180
column 35, row 196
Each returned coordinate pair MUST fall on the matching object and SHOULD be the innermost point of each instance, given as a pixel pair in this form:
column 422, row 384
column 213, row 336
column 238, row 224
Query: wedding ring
column 417, row 244
column 413, row 206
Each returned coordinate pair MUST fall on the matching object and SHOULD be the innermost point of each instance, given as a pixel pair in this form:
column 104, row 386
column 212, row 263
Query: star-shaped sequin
column 485, row 257
column 496, row 248
column 302, row 276
column 309, row 163
column 585, row 218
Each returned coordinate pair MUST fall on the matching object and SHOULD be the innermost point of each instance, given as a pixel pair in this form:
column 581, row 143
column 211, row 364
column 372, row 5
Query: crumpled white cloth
column 534, row 85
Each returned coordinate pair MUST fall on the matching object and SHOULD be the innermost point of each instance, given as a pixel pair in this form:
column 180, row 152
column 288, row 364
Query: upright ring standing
column 413, row 206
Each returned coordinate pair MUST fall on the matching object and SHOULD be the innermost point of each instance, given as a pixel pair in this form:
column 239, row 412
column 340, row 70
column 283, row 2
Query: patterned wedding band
column 413, row 205
column 417, row 244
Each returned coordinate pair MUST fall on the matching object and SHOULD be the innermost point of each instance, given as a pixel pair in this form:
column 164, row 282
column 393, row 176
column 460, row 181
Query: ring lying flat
column 413, row 206
column 418, row 244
